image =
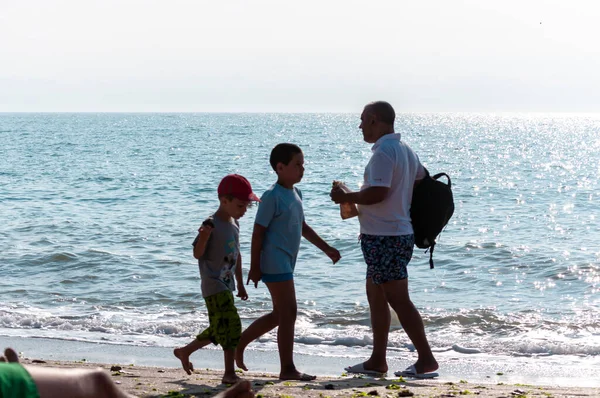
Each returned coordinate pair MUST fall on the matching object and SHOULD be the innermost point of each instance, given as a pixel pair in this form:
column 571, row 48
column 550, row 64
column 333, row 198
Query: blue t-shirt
column 280, row 211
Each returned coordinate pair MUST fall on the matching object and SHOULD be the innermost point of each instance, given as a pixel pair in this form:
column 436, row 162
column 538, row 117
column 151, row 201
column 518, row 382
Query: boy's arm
column 239, row 279
column 310, row 235
column 238, row 271
column 258, row 235
column 202, row 239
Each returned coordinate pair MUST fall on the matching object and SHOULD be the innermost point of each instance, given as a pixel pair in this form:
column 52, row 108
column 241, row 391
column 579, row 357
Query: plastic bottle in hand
column 347, row 210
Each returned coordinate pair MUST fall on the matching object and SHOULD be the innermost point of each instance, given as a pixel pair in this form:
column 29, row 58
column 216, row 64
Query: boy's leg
column 229, row 377
column 284, row 300
column 259, row 327
column 183, row 353
column 203, row 339
column 227, row 330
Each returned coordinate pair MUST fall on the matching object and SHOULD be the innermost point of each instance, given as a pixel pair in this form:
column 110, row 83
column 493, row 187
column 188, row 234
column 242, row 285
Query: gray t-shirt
column 217, row 265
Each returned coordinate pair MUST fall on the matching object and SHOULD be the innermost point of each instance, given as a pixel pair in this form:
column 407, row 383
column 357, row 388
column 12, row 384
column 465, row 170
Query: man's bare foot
column 426, row 366
column 295, row 375
column 375, row 367
column 242, row 389
column 230, row 378
column 185, row 360
column 239, row 360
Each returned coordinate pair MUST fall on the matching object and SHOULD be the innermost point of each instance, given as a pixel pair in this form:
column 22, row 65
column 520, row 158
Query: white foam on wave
column 165, row 327
column 132, row 326
column 465, row 350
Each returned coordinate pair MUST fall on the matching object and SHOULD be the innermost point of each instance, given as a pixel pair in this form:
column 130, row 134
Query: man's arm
column 378, row 177
column 369, row 196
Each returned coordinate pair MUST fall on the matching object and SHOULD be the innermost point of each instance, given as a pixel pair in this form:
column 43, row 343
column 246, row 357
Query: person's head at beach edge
column 288, row 162
column 235, row 195
column 377, row 120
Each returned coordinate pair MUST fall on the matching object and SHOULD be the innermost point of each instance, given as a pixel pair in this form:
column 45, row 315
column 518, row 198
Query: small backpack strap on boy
column 209, row 222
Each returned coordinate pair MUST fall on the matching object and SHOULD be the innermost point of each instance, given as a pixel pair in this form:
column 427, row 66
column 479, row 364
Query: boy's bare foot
column 230, row 378
column 243, row 389
column 239, row 360
column 185, row 360
column 295, row 375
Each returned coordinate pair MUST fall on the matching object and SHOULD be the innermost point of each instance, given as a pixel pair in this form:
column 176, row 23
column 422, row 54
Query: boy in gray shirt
column 217, row 248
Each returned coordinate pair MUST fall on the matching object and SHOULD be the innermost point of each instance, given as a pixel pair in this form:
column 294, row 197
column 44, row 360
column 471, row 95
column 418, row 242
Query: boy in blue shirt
column 278, row 228
column 217, row 248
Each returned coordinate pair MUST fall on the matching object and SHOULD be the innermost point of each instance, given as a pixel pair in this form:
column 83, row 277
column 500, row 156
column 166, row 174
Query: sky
column 299, row 56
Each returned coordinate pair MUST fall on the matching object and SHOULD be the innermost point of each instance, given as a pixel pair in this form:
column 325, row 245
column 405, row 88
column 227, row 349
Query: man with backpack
column 387, row 239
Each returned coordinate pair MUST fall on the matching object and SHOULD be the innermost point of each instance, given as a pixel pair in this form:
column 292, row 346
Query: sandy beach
column 144, row 381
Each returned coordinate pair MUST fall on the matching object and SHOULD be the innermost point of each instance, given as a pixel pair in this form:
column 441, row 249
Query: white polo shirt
column 393, row 165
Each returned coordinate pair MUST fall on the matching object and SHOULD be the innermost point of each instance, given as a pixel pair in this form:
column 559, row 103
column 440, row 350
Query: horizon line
column 580, row 113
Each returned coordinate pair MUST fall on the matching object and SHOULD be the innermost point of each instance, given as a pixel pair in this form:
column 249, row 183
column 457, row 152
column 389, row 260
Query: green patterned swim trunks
column 225, row 326
column 16, row 382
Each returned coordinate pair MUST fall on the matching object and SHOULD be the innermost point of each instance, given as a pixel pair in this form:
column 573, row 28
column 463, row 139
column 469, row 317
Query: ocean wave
column 62, row 257
column 169, row 328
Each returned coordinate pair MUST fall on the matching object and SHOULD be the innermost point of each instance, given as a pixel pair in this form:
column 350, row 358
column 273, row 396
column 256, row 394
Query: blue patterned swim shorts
column 387, row 256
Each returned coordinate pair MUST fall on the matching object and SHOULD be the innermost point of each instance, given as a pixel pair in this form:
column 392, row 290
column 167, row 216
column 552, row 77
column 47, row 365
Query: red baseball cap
column 238, row 187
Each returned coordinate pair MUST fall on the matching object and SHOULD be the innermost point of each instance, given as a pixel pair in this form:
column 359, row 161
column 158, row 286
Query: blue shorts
column 268, row 278
column 387, row 256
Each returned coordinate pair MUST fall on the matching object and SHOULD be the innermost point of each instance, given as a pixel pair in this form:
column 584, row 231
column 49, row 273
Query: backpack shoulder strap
column 431, row 255
column 438, row 175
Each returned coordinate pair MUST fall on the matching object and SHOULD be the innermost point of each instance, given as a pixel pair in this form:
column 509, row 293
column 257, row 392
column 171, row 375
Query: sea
column 98, row 212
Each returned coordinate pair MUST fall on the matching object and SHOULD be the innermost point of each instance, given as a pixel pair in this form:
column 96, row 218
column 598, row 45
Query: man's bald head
column 383, row 111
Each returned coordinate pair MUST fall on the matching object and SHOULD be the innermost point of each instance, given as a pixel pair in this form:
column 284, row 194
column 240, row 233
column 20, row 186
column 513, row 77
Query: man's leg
column 396, row 293
column 380, row 324
column 371, row 247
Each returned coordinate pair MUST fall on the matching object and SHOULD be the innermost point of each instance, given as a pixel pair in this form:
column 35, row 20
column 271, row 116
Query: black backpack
column 431, row 208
